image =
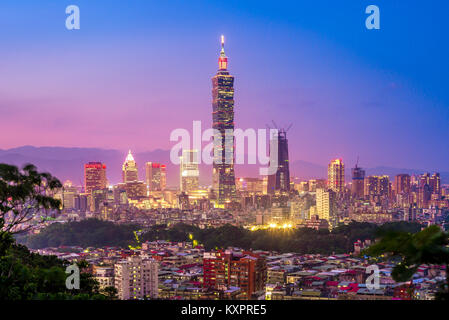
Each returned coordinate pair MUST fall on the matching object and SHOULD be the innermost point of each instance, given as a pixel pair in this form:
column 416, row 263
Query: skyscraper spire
column 129, row 157
column 222, row 52
column 222, row 60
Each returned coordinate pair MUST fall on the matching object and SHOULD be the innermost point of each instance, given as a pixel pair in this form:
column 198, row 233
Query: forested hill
column 96, row 233
column 85, row 233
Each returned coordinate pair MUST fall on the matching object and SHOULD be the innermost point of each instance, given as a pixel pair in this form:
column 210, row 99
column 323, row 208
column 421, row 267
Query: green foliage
column 429, row 246
column 25, row 276
column 85, row 233
column 426, row 246
column 97, row 233
column 24, row 193
column 340, row 240
column 110, row 292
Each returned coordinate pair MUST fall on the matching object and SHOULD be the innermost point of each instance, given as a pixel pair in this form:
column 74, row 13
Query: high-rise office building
column 69, row 193
column 401, row 184
column 377, row 186
column 245, row 270
column 98, row 199
column 336, row 175
column 223, row 122
column 136, row 278
column 316, row 184
column 129, row 169
column 428, row 185
column 424, row 196
column 280, row 181
column 358, row 175
column 370, row 186
column 250, row 185
column 94, row 176
column 189, row 172
column 325, row 204
column 135, row 190
column 120, row 195
column 81, row 203
column 435, row 183
column 155, row 176
column 384, row 186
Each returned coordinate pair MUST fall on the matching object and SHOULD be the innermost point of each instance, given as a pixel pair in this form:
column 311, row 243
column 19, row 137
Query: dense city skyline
column 309, row 163
column 282, row 69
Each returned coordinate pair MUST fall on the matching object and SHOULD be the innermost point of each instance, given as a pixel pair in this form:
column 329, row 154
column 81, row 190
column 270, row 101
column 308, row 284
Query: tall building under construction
column 279, row 181
column 358, row 176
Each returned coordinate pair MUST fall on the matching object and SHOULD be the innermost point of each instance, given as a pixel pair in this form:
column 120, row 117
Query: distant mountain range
column 67, row 163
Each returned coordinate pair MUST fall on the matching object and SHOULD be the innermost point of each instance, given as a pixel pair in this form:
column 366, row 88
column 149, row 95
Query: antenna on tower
column 357, row 163
column 222, row 44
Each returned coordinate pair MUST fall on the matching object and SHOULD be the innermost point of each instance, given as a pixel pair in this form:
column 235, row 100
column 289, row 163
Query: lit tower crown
column 129, row 157
column 129, row 169
column 222, row 60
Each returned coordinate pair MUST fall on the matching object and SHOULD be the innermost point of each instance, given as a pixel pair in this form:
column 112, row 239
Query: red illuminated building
column 155, row 176
column 225, row 269
column 94, row 176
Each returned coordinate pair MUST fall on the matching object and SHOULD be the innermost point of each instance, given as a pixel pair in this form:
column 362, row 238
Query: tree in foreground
column 428, row 246
column 25, row 193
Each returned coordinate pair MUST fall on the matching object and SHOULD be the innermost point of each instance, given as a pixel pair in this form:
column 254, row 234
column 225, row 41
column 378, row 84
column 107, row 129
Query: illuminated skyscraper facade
column 94, row 176
column 377, row 186
column 428, row 185
column 155, row 176
column 280, row 181
column 435, row 183
column 401, row 184
column 336, row 175
column 129, row 169
column 189, row 172
column 68, row 194
column 226, row 269
column 325, row 204
column 136, row 278
column 223, row 121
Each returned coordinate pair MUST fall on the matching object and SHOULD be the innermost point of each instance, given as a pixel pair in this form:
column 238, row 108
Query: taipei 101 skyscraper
column 223, row 122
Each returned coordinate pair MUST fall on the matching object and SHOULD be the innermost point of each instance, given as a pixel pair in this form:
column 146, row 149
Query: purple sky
column 130, row 76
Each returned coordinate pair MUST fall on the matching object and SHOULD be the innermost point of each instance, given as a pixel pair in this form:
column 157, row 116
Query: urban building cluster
column 168, row 270
column 278, row 200
column 274, row 201
column 182, row 271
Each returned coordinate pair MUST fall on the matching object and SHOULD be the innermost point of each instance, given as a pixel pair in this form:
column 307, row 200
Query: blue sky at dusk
column 136, row 70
